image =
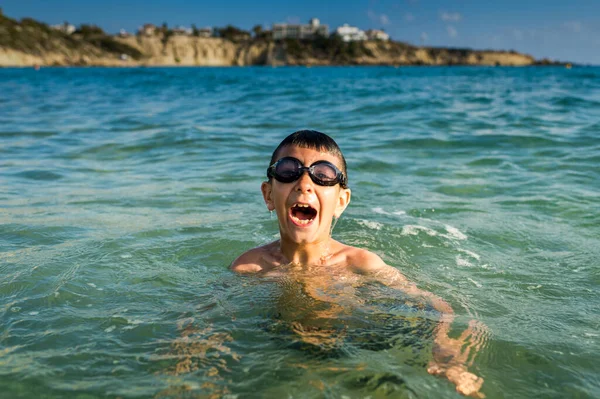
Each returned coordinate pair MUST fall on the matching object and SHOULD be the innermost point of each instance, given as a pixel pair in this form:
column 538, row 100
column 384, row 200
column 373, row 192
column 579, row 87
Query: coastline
column 191, row 51
column 29, row 43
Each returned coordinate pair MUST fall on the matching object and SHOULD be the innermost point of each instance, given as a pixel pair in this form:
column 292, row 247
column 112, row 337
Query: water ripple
column 126, row 193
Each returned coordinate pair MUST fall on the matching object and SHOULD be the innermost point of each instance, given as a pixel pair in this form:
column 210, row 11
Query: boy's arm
column 450, row 356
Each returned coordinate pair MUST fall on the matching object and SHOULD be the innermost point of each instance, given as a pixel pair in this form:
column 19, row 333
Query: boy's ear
column 343, row 201
column 267, row 191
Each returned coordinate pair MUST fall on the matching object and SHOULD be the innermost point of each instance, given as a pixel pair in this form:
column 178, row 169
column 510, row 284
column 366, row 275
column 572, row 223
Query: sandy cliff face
column 195, row 51
column 409, row 55
column 185, row 50
column 59, row 55
column 461, row 57
column 178, row 50
column 394, row 53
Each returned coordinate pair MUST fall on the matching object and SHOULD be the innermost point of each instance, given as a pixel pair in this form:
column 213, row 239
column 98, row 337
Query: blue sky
column 566, row 30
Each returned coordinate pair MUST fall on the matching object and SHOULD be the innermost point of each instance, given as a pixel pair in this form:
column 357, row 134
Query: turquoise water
column 126, row 193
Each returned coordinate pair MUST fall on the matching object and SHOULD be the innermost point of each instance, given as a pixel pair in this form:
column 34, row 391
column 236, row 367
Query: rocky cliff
column 28, row 43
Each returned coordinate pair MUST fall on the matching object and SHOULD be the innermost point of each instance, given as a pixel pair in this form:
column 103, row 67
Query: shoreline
column 29, row 43
column 156, row 66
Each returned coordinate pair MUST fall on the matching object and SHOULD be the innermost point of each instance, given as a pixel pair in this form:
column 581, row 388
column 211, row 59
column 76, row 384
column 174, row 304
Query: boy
column 307, row 187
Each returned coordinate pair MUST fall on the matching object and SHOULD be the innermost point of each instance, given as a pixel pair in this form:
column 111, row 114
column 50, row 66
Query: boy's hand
column 451, row 357
column 466, row 383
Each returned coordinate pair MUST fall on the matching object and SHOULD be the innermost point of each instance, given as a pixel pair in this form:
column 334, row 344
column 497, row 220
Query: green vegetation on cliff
column 32, row 37
column 331, row 48
column 337, row 51
column 29, row 42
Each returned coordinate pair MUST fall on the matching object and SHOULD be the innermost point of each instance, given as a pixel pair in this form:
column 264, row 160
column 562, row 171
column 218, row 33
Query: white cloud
column 451, row 31
column 292, row 20
column 573, row 26
column 408, row 17
column 450, row 16
column 424, row 37
column 382, row 19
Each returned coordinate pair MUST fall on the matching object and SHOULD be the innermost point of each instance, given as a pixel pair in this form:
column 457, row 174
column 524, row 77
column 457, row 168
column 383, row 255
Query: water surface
column 126, row 193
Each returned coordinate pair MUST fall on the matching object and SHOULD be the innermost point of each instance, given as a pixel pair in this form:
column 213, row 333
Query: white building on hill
column 288, row 31
column 376, row 34
column 350, row 33
column 205, row 32
column 182, row 31
column 65, row 28
column 147, row 30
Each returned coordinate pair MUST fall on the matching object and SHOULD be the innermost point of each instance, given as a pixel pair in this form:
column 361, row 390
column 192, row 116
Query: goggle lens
column 323, row 173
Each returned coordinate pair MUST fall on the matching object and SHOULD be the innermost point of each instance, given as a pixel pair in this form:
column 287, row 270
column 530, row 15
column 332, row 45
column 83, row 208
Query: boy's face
column 297, row 222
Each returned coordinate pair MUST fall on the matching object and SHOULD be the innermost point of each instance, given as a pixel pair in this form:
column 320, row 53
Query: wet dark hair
column 315, row 141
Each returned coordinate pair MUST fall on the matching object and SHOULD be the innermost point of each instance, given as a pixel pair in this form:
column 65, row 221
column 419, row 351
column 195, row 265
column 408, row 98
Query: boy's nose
column 305, row 183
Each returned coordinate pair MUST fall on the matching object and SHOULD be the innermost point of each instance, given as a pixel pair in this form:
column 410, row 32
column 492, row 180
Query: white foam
column 471, row 254
column 110, row 329
column 455, row 233
column 462, row 262
column 414, row 229
column 478, row 285
column 34, row 313
column 370, row 224
column 534, row 287
column 125, row 256
column 381, row 211
column 133, row 323
column 92, row 285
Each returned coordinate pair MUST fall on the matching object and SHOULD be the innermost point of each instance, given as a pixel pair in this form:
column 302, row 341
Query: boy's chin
column 303, row 235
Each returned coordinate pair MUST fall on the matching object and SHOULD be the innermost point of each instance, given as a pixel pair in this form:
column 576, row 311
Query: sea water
column 126, row 193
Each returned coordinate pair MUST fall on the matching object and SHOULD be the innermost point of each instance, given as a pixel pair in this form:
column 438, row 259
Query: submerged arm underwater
column 451, row 356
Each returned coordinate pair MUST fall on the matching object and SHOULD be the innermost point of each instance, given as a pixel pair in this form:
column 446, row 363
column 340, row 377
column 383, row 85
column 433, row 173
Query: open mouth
column 302, row 214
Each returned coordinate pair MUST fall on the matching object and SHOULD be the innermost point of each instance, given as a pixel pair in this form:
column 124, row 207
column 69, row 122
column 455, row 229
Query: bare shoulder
column 366, row 262
column 363, row 261
column 248, row 262
column 254, row 260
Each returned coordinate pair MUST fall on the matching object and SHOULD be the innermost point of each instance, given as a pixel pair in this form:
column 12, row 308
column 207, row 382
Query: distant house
column 65, row 28
column 205, row 32
column 376, row 34
column 123, row 33
column 350, row 33
column 289, row 31
column 147, row 30
column 182, row 31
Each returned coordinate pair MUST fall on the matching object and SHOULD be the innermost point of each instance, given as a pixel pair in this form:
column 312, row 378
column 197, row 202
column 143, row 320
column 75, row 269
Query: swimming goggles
column 323, row 173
